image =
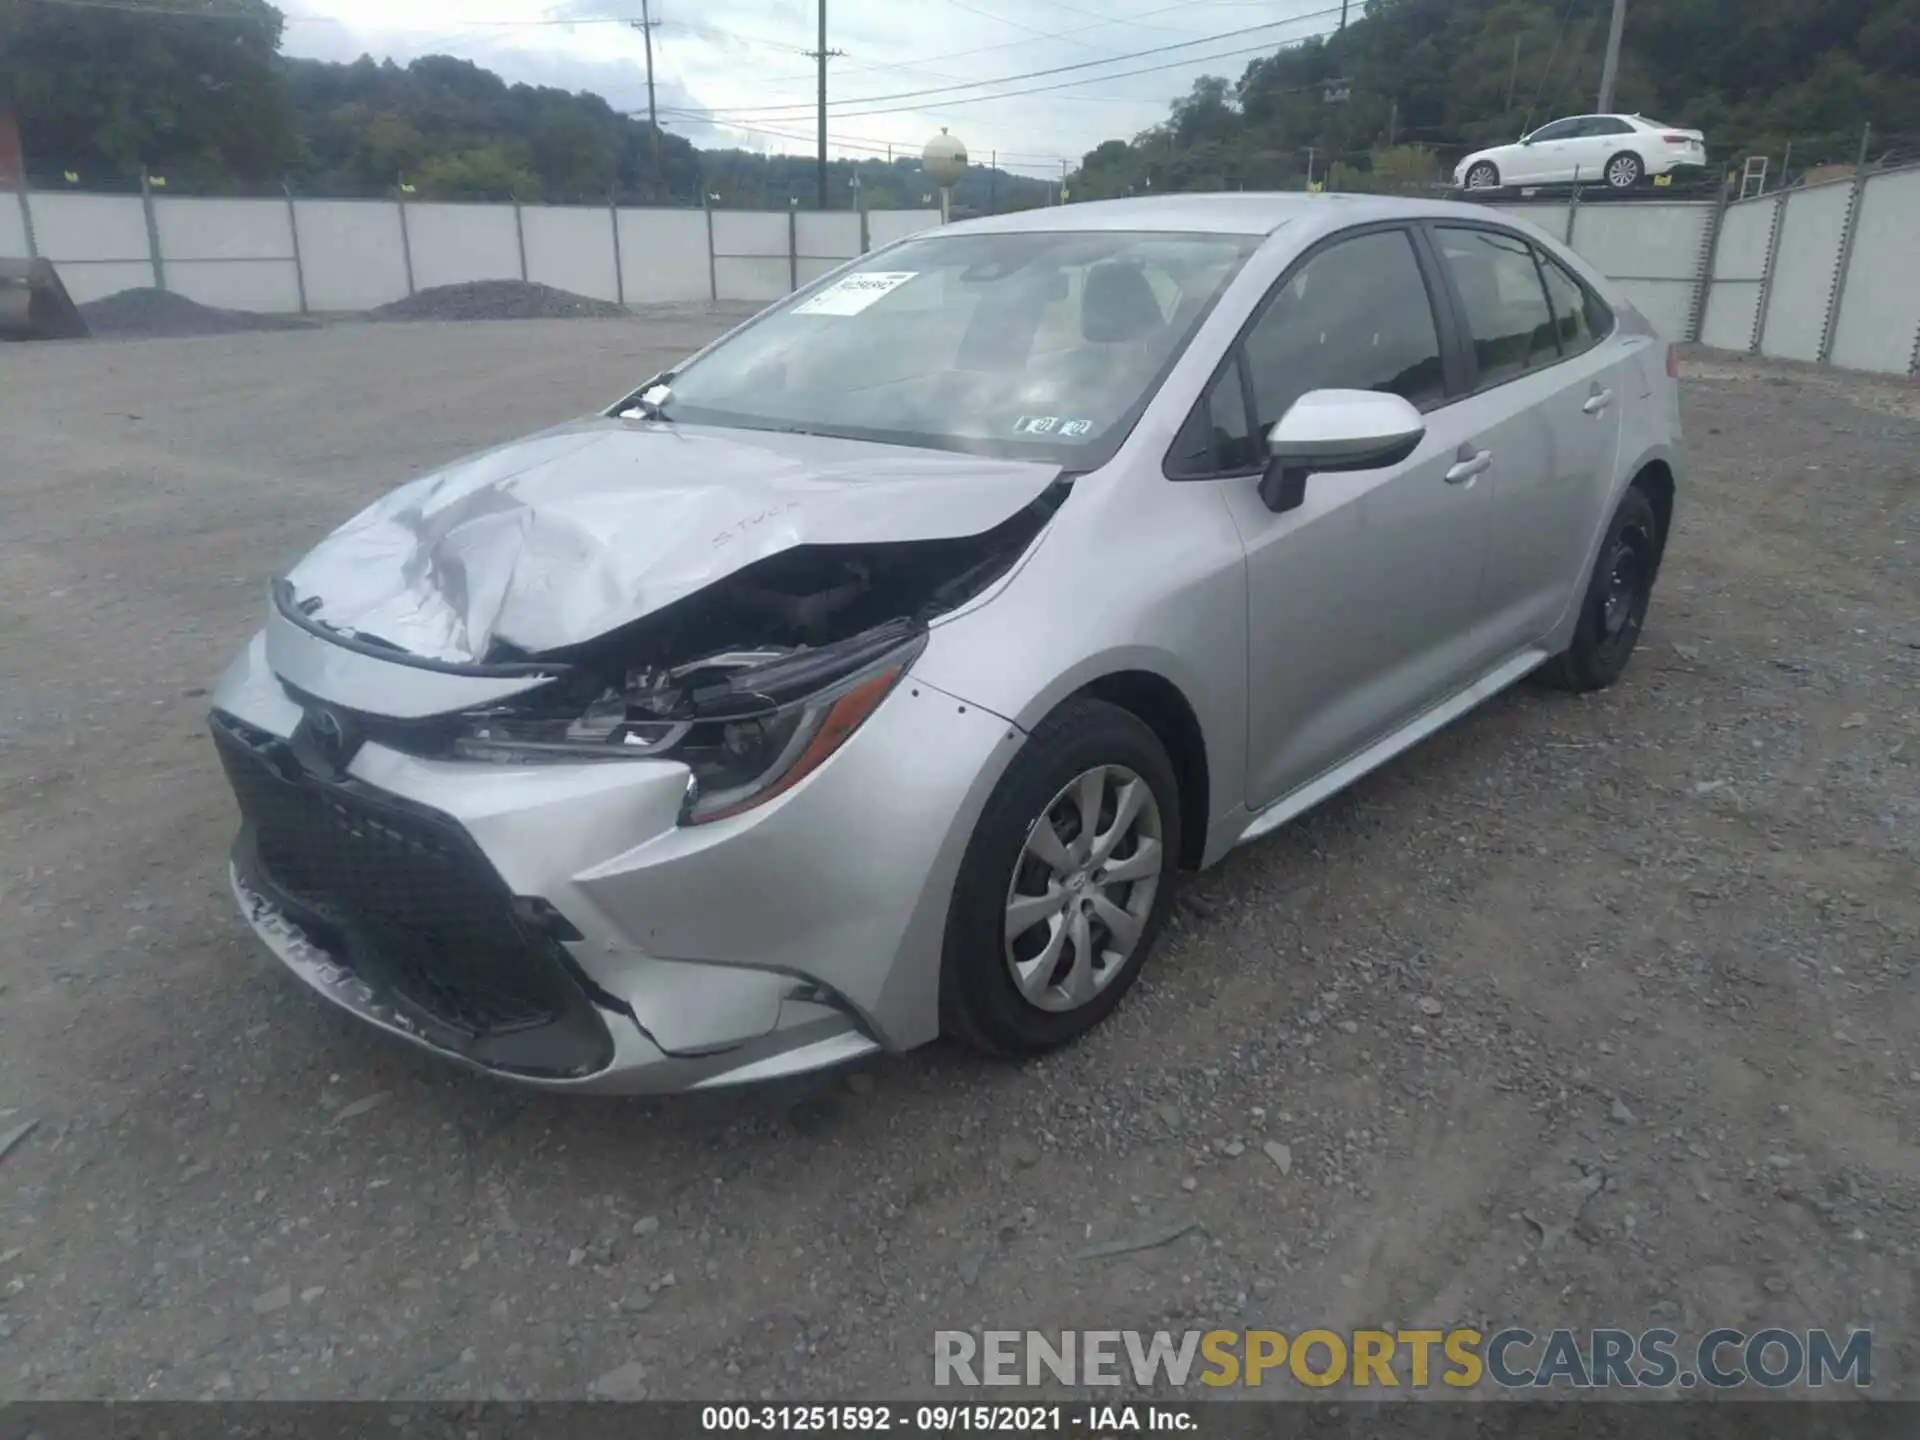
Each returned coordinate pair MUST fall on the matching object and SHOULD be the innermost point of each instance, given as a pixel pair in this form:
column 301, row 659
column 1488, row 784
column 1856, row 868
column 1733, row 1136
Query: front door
column 1548, row 158
column 1364, row 602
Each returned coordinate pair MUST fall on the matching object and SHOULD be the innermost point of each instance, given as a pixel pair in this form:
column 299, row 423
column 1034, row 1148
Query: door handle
column 1470, row 464
column 1598, row 401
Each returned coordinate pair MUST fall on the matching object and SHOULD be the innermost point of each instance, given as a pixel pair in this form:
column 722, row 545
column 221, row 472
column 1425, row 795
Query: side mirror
column 1336, row 430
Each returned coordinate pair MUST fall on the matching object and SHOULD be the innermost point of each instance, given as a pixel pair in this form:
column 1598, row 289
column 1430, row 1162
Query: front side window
column 1558, row 130
column 1041, row 345
column 1354, row 317
column 1507, row 314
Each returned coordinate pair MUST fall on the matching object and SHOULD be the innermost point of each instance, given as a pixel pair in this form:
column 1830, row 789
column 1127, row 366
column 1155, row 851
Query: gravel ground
column 1587, row 1012
column 496, row 300
column 165, row 313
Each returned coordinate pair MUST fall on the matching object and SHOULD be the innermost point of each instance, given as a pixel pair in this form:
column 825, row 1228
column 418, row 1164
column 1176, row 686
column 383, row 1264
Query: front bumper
column 555, row 924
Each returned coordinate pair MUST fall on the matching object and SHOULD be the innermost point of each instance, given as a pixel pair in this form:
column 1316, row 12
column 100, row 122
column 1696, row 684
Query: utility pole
column 1611, row 72
column 823, row 55
column 1393, row 124
column 1513, row 75
column 993, row 182
column 645, row 25
column 1311, row 152
column 1343, row 14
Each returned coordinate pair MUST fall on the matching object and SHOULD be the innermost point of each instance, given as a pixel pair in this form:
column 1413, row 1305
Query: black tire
column 1624, row 171
column 1487, row 173
column 1612, row 615
column 980, row 1005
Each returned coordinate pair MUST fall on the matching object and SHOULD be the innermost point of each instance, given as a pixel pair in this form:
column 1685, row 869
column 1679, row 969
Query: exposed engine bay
column 745, row 678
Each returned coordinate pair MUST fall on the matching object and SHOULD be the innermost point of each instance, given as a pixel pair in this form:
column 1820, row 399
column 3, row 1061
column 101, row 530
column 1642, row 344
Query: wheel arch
column 1656, row 479
column 1159, row 704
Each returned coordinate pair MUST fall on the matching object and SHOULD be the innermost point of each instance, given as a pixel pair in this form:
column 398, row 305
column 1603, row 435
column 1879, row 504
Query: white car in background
column 1618, row 150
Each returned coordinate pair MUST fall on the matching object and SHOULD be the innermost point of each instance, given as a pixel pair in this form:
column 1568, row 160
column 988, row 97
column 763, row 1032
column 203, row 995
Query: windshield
column 1038, row 344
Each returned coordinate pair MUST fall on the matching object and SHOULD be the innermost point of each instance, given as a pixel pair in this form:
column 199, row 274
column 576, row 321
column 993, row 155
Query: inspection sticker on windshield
column 855, row 293
column 1051, row 425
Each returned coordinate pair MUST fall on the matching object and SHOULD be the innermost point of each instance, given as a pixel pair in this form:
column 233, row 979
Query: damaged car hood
column 553, row 540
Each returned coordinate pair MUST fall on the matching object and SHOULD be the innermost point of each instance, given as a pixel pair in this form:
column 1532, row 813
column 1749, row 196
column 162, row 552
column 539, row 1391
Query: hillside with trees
column 1398, row 96
column 207, row 102
column 205, row 99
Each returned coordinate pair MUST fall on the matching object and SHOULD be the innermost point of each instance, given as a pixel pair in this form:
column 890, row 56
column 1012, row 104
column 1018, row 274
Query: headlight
column 750, row 725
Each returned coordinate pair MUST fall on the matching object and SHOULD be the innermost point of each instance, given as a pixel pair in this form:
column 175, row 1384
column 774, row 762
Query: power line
column 1064, row 69
column 1090, row 80
column 926, row 60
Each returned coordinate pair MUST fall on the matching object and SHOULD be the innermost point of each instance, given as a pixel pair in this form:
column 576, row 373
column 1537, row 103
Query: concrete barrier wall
column 455, row 244
column 663, row 256
column 344, row 255
column 233, row 254
column 825, row 242
column 1878, row 326
column 1655, row 253
column 1732, row 315
column 351, row 253
column 886, row 226
column 751, row 260
column 98, row 242
column 1804, row 267
column 571, row 248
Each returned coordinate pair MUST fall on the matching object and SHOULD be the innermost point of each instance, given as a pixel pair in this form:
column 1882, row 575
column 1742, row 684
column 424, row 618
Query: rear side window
column 1508, row 318
column 1354, row 317
column 1581, row 319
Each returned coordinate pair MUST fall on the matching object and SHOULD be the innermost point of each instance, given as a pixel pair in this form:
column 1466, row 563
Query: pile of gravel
column 149, row 312
column 496, row 300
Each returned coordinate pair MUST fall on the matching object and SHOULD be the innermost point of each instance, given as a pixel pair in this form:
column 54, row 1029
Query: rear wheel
column 1614, row 609
column 1483, row 176
column 1064, row 884
column 1624, row 170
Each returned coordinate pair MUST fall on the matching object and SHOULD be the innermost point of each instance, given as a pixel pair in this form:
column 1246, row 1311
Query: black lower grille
column 401, row 895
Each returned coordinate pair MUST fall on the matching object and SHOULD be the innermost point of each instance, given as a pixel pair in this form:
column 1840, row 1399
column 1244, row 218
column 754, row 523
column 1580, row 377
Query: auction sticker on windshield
column 855, row 293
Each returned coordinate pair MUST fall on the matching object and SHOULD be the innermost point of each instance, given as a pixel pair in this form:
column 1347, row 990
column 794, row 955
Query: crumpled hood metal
column 550, row 541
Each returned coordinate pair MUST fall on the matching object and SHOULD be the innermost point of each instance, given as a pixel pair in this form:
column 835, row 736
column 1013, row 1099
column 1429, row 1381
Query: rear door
column 1549, row 390
column 1601, row 138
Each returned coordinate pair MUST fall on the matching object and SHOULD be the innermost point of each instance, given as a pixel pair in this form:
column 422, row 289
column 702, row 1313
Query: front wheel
column 1624, row 171
column 1614, row 608
column 1064, row 885
column 1483, row 177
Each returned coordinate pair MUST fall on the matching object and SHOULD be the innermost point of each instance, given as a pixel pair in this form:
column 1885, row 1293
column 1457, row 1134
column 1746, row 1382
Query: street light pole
column 1611, row 71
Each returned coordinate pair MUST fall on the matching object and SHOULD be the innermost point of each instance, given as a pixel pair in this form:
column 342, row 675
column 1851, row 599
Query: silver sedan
column 874, row 674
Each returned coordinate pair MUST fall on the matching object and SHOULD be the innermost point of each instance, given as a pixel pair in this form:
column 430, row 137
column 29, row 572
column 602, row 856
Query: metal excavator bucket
column 34, row 305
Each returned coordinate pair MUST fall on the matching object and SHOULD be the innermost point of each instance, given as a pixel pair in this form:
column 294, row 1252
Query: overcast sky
column 735, row 72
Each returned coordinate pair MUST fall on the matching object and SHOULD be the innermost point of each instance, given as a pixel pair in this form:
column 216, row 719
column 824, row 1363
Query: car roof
column 1240, row 212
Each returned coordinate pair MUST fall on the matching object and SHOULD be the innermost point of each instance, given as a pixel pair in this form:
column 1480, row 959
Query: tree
column 110, row 92
column 1455, row 75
